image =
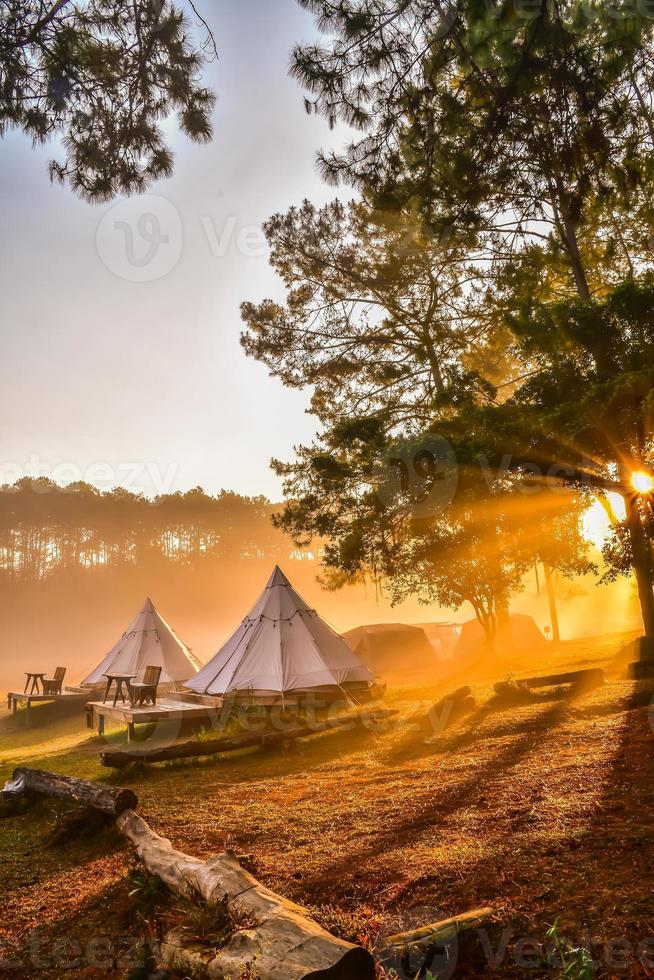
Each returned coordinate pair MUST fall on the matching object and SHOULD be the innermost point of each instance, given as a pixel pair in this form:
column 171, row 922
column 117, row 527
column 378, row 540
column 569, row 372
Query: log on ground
column 215, row 746
column 586, row 679
column 458, row 946
column 443, row 932
column 111, row 800
column 283, row 944
column 443, row 713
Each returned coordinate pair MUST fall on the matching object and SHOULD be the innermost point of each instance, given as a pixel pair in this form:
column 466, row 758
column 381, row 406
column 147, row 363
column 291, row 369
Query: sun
column 642, row 482
column 596, row 523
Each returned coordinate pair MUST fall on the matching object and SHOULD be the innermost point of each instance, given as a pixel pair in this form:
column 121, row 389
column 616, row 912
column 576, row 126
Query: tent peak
column 149, row 604
column 277, row 578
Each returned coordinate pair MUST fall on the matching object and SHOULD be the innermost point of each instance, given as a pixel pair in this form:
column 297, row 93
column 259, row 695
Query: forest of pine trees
column 49, row 532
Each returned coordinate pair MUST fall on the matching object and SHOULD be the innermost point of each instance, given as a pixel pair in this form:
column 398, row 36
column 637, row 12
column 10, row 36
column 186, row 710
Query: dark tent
column 395, row 651
column 443, row 638
column 521, row 636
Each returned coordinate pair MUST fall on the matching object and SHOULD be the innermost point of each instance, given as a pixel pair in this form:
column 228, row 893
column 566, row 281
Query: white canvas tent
column 148, row 642
column 282, row 647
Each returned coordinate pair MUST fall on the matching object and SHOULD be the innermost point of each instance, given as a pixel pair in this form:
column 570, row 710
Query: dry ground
column 545, row 812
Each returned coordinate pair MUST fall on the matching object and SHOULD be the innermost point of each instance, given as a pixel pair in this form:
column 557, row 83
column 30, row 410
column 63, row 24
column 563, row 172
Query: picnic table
column 122, row 682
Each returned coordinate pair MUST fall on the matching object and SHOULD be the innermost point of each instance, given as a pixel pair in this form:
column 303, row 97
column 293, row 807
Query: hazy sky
column 144, row 383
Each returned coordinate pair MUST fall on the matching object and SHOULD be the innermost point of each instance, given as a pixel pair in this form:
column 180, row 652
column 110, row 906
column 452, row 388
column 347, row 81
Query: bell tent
column 282, row 647
column 148, row 642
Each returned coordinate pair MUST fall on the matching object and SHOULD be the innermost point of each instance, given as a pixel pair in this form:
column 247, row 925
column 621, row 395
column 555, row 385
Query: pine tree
column 100, row 75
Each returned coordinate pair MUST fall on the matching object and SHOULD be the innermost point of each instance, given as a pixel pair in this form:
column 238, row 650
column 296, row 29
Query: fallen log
column 107, row 799
column 576, row 682
column 426, row 726
column 443, row 932
column 436, row 718
column 452, row 946
column 592, row 677
column 215, row 746
column 281, row 941
column 450, row 709
column 283, row 944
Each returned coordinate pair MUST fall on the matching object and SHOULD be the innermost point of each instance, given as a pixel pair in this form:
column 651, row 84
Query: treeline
column 48, row 531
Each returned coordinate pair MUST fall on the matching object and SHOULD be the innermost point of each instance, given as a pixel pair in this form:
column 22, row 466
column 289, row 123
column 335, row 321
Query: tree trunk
column 567, row 229
column 551, row 598
column 283, row 944
column 572, row 245
column 107, row 799
column 642, row 561
column 488, row 622
column 503, row 615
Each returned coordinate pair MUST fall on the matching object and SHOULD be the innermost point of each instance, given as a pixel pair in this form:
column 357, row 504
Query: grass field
column 543, row 811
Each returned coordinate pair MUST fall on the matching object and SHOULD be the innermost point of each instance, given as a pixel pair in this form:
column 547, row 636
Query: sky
column 120, row 323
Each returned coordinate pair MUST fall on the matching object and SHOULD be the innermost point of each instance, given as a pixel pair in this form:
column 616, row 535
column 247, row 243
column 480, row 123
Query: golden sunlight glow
column 598, row 517
column 642, row 482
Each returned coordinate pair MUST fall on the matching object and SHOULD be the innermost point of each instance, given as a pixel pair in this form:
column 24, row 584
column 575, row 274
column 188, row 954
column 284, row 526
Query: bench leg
column 100, row 724
column 27, row 714
column 130, row 731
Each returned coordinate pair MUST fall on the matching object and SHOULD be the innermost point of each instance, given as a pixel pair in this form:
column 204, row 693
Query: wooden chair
column 53, row 685
column 146, row 690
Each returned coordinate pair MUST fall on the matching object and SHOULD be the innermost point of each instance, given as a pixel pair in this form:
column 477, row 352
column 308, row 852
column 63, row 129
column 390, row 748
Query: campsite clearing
column 542, row 810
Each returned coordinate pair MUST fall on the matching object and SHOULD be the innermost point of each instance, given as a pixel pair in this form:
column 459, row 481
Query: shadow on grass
column 42, row 715
column 621, row 837
column 262, row 762
column 593, row 870
column 431, row 810
column 102, row 937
